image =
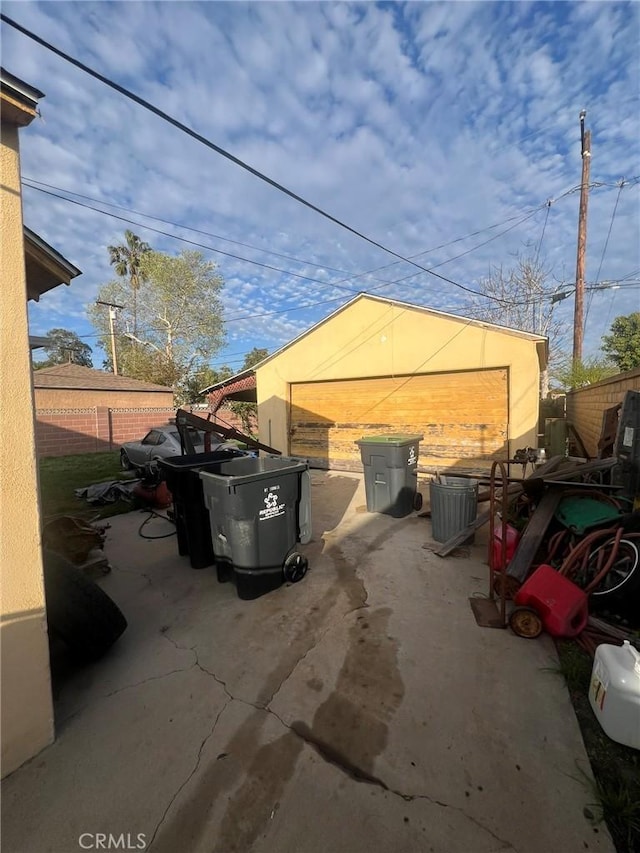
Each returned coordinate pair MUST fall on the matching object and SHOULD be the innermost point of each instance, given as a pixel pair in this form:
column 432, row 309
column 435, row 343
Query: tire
column 125, row 462
column 623, row 578
column 79, row 612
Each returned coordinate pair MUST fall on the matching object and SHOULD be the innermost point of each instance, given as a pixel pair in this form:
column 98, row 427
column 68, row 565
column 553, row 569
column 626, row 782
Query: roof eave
column 46, row 268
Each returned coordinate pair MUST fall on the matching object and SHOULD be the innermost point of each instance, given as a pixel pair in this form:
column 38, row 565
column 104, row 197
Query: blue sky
column 417, row 124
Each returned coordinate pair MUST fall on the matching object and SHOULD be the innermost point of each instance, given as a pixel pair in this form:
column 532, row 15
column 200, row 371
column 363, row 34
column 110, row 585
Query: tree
column 201, row 378
column 179, row 318
column 127, row 261
column 623, row 344
column 64, row 346
column 522, row 299
column 569, row 374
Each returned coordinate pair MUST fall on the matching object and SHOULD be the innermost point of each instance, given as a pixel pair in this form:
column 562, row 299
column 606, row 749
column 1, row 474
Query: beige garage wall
column 374, row 338
column 26, row 708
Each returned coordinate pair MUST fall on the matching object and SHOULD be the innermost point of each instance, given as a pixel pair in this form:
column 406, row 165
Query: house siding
column 26, row 703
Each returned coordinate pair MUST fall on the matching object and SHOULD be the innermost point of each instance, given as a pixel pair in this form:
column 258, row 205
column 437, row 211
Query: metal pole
column 578, row 316
column 114, row 358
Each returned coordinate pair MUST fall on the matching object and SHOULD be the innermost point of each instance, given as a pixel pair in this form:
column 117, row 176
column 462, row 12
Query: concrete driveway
column 360, row 710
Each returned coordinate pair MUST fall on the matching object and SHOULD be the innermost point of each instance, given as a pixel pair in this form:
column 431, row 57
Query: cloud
column 414, row 123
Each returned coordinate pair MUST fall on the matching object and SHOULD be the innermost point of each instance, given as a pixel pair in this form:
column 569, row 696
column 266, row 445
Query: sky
column 417, row 124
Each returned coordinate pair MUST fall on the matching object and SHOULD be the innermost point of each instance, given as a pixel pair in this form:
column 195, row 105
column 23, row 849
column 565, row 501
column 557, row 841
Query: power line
column 544, row 228
column 191, row 242
column 604, row 248
column 29, row 182
column 337, row 285
column 231, row 157
column 32, row 183
column 460, row 255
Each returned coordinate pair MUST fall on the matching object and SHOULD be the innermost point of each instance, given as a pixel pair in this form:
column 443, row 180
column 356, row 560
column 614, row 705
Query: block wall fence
column 65, row 432
column 586, row 406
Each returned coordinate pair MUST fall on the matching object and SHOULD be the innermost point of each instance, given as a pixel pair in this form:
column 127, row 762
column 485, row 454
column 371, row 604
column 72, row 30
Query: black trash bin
column 191, row 512
column 259, row 508
column 391, row 473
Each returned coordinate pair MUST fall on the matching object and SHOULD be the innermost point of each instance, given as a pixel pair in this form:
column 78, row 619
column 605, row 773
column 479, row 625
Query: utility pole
column 578, row 315
column 112, row 317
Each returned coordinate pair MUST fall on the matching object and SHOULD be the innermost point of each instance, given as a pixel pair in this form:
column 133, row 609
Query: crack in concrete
column 324, row 750
column 294, row 667
column 193, row 771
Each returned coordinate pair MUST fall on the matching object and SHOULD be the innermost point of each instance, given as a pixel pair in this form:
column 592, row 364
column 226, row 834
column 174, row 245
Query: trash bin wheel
column 525, row 622
column 417, row 501
column 295, row 567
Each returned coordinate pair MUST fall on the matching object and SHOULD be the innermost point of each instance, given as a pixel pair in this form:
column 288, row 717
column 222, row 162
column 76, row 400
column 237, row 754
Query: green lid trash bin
column 454, row 505
column 259, row 509
column 391, row 473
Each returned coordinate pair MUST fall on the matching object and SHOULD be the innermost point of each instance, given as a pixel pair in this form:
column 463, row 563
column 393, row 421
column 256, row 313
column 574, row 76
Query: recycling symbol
column 271, row 500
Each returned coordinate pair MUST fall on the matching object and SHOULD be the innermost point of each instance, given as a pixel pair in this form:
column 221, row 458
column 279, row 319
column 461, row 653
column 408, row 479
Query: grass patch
column 60, row 476
column 616, row 768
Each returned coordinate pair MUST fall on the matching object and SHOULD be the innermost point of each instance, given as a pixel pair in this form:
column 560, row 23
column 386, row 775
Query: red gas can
column 561, row 605
column 513, row 537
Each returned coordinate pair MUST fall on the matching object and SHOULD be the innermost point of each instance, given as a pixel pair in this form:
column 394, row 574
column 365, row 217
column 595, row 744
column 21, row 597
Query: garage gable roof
column 540, row 340
column 81, row 378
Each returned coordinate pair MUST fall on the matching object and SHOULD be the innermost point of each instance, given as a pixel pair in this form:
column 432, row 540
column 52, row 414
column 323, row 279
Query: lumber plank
column 534, row 534
column 461, row 537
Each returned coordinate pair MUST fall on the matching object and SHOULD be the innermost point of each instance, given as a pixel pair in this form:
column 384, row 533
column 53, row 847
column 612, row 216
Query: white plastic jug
column 614, row 692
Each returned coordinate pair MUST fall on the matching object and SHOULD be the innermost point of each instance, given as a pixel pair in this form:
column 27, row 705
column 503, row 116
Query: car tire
column 125, row 462
column 79, row 612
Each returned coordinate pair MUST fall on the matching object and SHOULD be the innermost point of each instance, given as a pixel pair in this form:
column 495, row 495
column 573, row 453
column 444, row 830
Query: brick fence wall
column 65, row 432
column 586, row 406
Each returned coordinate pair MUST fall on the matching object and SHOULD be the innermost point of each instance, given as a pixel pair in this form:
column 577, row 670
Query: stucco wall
column 586, row 406
column 371, row 338
column 69, row 398
column 26, row 708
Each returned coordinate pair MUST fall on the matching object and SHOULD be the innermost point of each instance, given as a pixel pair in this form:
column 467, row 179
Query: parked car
column 161, row 443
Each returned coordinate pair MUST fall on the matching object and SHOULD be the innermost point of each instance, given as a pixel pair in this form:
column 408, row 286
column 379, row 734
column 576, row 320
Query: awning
column 241, row 387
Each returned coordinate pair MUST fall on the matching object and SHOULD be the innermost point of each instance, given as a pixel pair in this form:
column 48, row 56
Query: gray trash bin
column 181, row 474
column 391, row 473
column 259, row 508
column 454, row 505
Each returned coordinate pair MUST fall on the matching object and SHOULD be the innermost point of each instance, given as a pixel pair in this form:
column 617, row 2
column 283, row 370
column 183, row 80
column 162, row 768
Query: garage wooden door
column 463, row 417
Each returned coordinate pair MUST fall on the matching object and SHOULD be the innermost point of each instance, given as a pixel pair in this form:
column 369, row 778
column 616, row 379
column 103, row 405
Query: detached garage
column 382, row 366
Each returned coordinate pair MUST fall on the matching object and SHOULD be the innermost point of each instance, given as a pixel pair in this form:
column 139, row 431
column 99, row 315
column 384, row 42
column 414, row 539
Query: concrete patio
column 360, row 710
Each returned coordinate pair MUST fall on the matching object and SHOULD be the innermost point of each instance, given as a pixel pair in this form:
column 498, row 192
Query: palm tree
column 125, row 259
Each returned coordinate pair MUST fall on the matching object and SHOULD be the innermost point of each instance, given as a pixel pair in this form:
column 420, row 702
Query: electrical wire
column 30, row 182
column 228, row 155
column 460, row 255
column 193, row 242
column 544, row 228
column 604, row 250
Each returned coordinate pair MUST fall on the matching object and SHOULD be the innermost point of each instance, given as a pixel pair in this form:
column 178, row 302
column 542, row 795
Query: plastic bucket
column 454, row 505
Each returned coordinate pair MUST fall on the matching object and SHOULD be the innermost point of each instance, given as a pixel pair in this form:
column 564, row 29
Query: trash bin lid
column 249, row 469
column 393, row 440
